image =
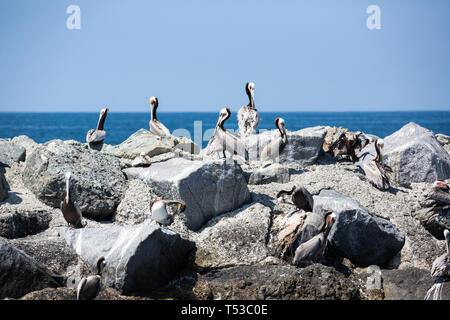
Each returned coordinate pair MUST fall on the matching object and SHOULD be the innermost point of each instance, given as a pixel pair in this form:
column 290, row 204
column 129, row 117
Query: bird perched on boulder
column 89, row 287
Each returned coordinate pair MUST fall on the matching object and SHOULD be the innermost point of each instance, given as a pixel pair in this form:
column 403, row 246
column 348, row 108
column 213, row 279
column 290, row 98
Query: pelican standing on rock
column 142, row 160
column 312, row 248
column 300, row 197
column 440, row 270
column 248, row 117
column 275, row 147
column 156, row 126
column 89, row 287
column 159, row 212
column 440, row 192
column 71, row 211
column 98, row 135
column 376, row 171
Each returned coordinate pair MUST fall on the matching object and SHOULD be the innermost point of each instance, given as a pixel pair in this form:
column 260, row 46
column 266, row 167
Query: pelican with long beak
column 440, row 270
column 300, row 197
column 70, row 210
column 248, row 116
column 89, row 287
column 156, row 126
column 98, row 135
column 376, row 171
column 440, row 192
column 272, row 150
column 311, row 249
column 159, row 213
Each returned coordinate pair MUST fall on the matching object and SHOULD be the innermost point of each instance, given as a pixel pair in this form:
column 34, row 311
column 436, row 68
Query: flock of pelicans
column 222, row 140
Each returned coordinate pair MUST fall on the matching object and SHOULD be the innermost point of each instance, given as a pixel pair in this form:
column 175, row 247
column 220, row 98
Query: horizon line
column 203, row 111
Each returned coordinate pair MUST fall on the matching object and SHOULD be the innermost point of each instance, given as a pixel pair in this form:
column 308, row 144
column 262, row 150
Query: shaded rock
column 273, row 173
column 356, row 234
column 20, row 274
column 414, row 154
column 208, row 188
column 139, row 258
column 444, row 141
column 71, row 294
column 97, row 180
column 260, row 282
column 22, row 223
column 303, row 147
column 235, row 238
column 26, row 142
column 10, row 153
column 3, row 187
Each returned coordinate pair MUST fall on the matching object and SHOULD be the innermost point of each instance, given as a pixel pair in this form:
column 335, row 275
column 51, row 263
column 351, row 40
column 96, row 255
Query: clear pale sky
column 197, row 55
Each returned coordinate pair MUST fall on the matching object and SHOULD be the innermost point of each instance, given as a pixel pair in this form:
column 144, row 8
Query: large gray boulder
column 20, row 274
column 356, row 234
column 14, row 224
column 98, row 182
column 414, row 154
column 273, row 173
column 26, row 142
column 139, row 258
column 209, row 188
column 10, row 153
column 303, row 145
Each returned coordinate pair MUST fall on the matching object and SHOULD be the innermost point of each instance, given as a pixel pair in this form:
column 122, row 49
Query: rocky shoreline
column 234, row 241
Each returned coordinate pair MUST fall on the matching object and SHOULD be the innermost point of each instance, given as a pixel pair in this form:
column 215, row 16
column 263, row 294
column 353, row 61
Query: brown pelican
column 440, row 192
column 98, row 135
column 142, row 160
column 300, row 197
column 89, row 287
column 440, row 270
column 275, row 147
column 71, row 211
column 157, row 127
column 312, row 248
column 159, row 212
column 376, row 171
column 248, row 117
column 347, row 144
column 227, row 140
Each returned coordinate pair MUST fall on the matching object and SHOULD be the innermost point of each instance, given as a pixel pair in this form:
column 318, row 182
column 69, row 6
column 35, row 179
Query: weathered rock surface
column 20, row 274
column 22, row 223
column 444, row 141
column 356, row 234
column 139, row 258
column 26, row 142
column 235, row 238
column 208, row 188
column 414, row 154
column 71, row 294
column 273, row 173
column 303, row 147
column 3, row 187
column 10, row 153
column 98, row 182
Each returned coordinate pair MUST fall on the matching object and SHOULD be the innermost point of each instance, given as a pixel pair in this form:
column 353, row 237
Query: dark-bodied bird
column 89, row 287
column 159, row 211
column 70, row 210
column 274, row 148
column 311, row 249
column 440, row 270
column 248, row 116
column 300, row 197
column 440, row 191
column 376, row 171
column 98, row 135
column 156, row 126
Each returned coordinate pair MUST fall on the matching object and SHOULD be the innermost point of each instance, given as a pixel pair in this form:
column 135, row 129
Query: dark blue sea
column 43, row 127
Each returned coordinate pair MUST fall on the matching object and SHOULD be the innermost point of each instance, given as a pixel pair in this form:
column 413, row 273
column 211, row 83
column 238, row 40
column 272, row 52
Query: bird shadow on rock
column 262, row 198
column 293, row 171
column 13, row 198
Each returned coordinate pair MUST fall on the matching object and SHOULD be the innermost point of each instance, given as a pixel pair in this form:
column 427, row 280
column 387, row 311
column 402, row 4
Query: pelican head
column 441, row 185
column 181, row 206
column 380, row 143
column 68, row 175
column 104, row 111
column 279, row 123
column 142, row 154
column 223, row 115
column 331, row 218
column 281, row 199
column 250, row 89
column 100, row 265
column 447, row 234
column 154, row 101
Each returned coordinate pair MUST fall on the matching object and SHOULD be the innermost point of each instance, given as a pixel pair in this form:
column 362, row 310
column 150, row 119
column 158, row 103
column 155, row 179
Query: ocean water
column 43, row 127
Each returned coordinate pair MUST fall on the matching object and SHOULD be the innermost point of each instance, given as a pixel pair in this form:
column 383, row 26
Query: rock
column 26, row 142
column 235, row 238
column 149, row 143
column 20, row 274
column 414, row 154
column 22, row 223
column 10, row 153
column 187, row 145
column 356, row 234
column 273, row 173
column 260, row 282
column 3, row 187
column 98, row 183
column 71, row 294
column 444, row 141
column 209, row 188
column 303, row 147
column 139, row 258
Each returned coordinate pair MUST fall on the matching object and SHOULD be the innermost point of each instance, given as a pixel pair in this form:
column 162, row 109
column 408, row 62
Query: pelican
column 347, row 145
column 98, row 135
column 300, row 197
column 159, row 212
column 440, row 192
column 248, row 117
column 142, row 160
column 71, row 211
column 89, row 287
column 376, row 171
column 224, row 138
column 275, row 147
column 440, row 270
column 157, row 127
column 312, row 248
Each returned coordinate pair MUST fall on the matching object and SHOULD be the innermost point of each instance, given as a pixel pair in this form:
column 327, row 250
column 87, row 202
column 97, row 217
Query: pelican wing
column 309, row 249
column 273, row 149
column 303, row 199
column 232, row 143
column 441, row 266
column 80, row 287
column 440, row 196
column 158, row 128
column 248, row 120
column 95, row 136
column 375, row 175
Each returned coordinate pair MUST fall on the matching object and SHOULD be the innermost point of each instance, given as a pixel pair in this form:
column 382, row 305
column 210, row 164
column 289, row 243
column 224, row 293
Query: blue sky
column 197, row 55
